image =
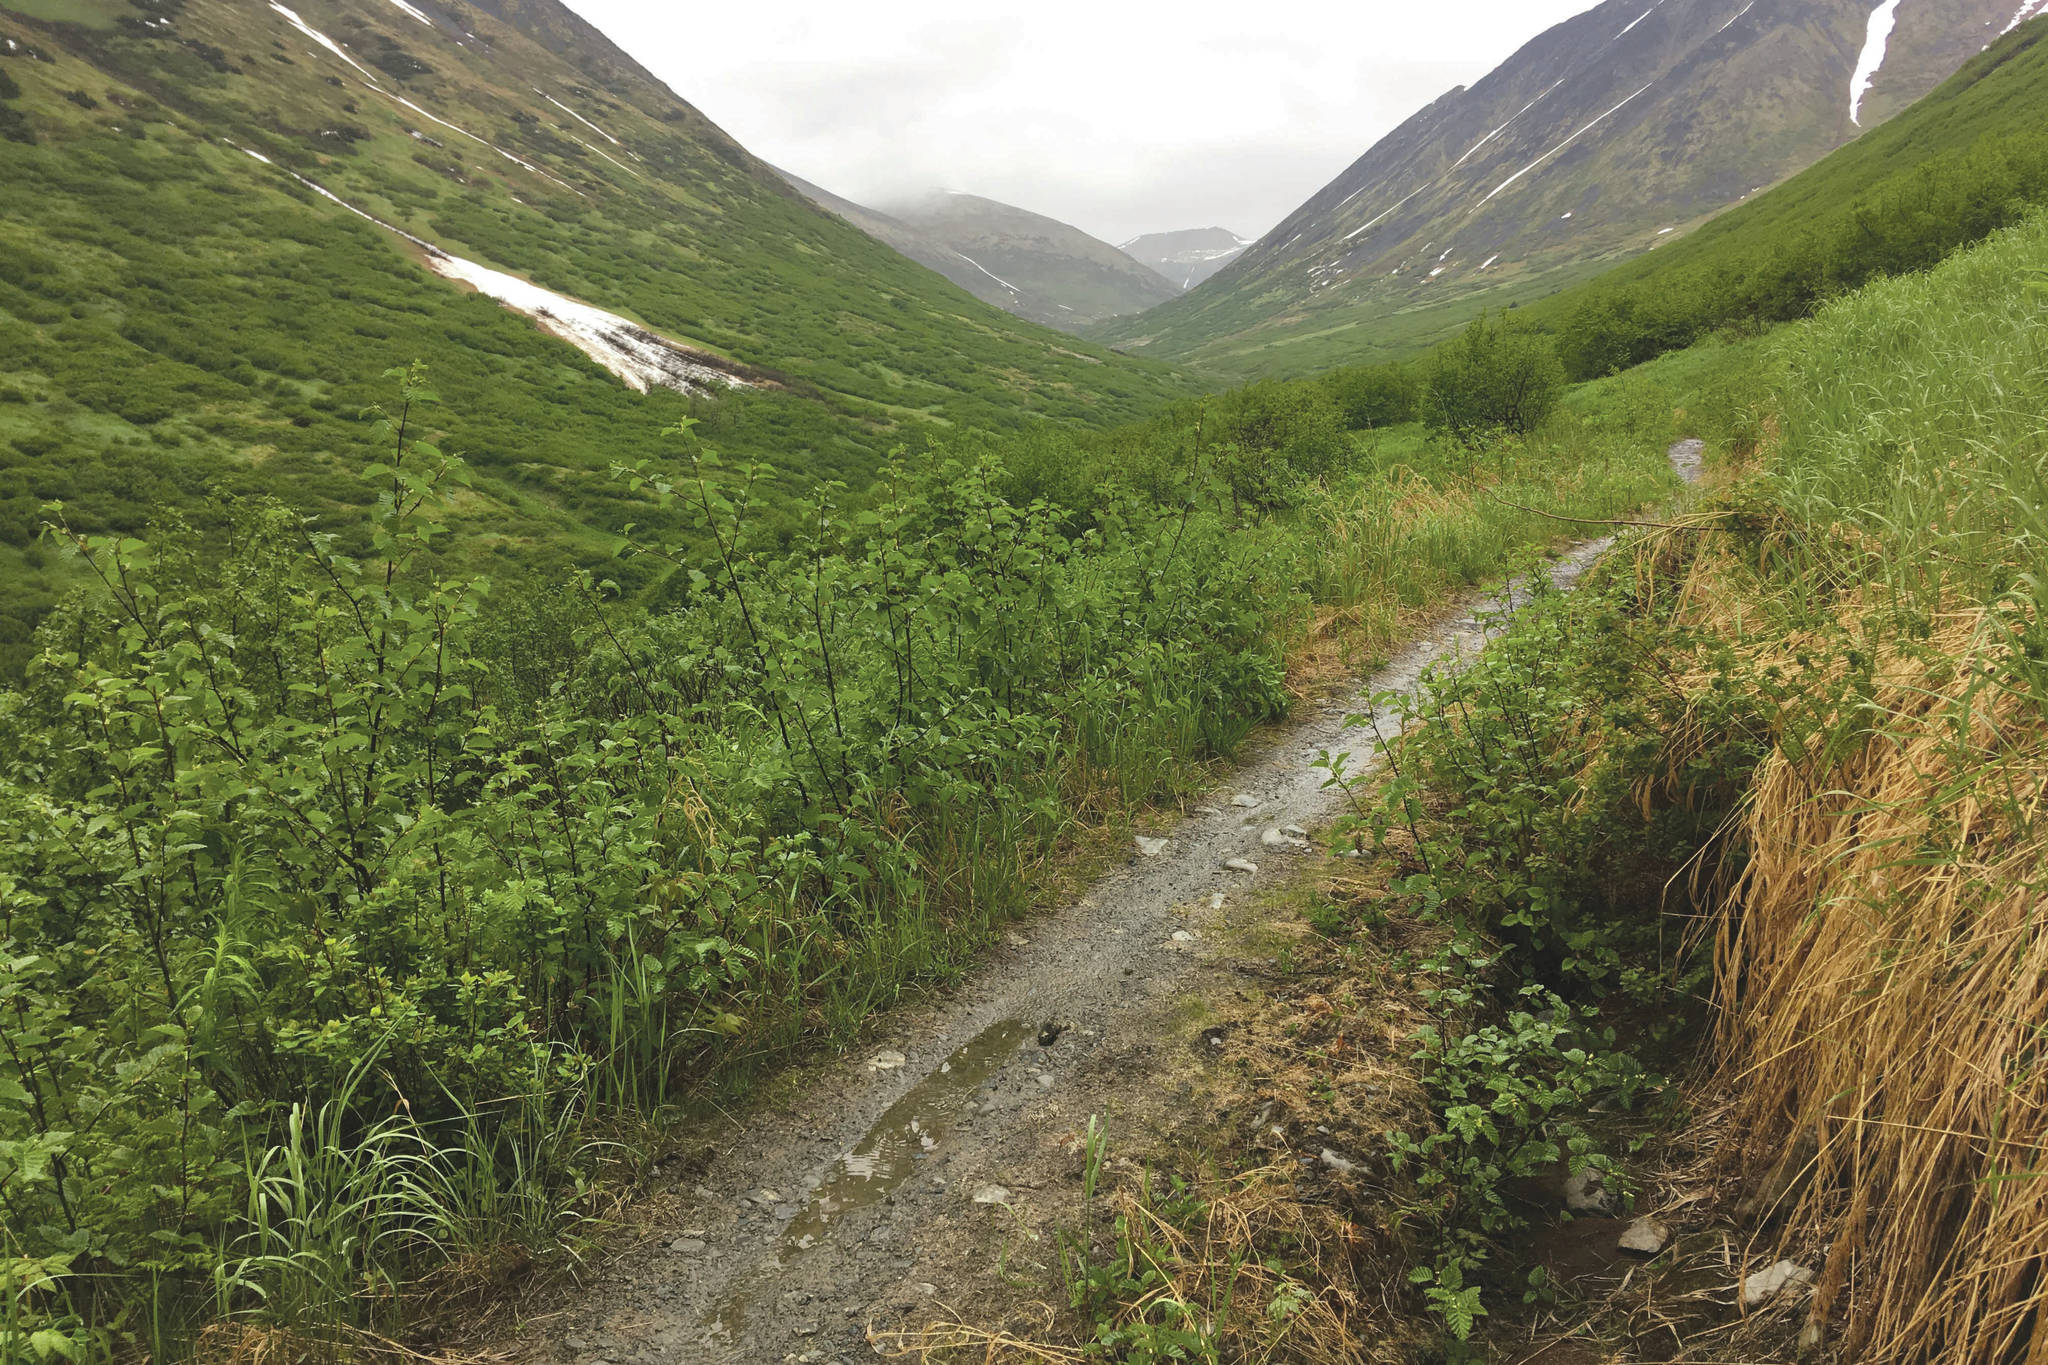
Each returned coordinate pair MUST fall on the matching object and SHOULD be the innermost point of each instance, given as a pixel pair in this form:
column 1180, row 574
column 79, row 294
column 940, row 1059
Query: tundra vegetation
column 366, row 914
column 349, row 901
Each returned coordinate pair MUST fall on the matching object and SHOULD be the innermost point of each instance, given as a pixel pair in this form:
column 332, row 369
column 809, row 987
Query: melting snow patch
column 593, row 147
column 413, row 12
column 517, row 161
column 1568, row 142
column 2026, row 12
column 1662, row 231
column 985, row 270
column 1504, row 127
column 1876, row 38
column 1639, row 18
column 1383, row 217
column 1488, row 262
column 579, row 118
column 317, row 36
column 637, row 356
column 1738, row 14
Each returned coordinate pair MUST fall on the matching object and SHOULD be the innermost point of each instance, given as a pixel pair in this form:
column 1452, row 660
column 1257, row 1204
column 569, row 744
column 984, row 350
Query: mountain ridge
column 1187, row 256
column 1621, row 125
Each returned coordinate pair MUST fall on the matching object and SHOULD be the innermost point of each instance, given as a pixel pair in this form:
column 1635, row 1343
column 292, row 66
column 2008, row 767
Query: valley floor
column 923, row 1180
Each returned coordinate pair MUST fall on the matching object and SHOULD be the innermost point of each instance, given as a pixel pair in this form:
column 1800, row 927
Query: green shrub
column 1497, row 376
column 1370, row 396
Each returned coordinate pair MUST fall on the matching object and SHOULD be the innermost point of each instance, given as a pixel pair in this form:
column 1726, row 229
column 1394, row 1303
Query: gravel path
column 812, row 1213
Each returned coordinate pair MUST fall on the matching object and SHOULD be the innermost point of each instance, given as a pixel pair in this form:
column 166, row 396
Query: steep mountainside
column 1038, row 267
column 223, row 220
column 1189, row 256
column 901, row 236
column 1626, row 124
column 1964, row 161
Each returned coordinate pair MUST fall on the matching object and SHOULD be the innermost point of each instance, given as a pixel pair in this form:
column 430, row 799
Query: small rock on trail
column 1766, row 1284
column 1644, row 1237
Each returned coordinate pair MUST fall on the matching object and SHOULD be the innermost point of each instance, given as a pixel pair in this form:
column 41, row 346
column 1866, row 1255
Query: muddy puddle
column 891, row 1151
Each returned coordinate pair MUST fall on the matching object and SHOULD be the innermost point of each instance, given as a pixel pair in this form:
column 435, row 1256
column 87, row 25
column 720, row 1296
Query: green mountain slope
column 177, row 314
column 1626, row 126
column 1069, row 278
column 1036, row 267
column 1968, row 158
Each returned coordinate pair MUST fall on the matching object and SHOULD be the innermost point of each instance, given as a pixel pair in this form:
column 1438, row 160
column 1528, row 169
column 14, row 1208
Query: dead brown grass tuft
column 1884, row 987
column 249, row 1343
column 1220, row 1273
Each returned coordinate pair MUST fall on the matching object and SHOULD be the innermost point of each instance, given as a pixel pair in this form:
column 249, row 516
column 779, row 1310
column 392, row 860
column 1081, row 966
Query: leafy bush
column 1497, row 376
column 266, row 815
column 1374, row 395
column 1511, row 1098
column 1273, row 436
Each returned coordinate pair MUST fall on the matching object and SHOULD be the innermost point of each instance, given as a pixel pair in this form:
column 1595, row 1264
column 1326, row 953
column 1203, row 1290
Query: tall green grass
column 1914, row 413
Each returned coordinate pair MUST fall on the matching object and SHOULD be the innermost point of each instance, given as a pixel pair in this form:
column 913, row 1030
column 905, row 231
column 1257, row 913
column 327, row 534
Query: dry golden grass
column 1884, row 978
column 247, row 1343
column 1224, row 1273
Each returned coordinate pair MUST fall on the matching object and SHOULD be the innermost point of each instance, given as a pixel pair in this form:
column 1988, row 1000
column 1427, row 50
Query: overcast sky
column 1117, row 116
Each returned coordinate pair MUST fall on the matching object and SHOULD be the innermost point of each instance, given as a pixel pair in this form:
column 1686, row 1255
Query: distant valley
column 1187, row 257
column 1024, row 262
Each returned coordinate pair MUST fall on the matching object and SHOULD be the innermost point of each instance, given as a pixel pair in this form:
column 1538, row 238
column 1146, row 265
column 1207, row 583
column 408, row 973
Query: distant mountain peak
column 1188, row 256
column 1034, row 266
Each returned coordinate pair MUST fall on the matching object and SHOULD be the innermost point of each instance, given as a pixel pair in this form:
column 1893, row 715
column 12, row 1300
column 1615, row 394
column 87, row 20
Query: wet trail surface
column 814, row 1212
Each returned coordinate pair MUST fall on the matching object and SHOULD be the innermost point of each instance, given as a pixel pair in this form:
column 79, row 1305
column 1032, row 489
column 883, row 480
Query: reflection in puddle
column 913, row 1126
column 884, row 1158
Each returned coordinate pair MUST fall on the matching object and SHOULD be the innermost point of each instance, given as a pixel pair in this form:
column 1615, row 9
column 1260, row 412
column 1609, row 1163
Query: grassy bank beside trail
column 1790, row 758
column 359, row 925
column 1716, row 883
column 1786, row 762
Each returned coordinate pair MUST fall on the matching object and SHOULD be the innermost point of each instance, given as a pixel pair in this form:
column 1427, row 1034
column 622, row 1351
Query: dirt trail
column 815, row 1215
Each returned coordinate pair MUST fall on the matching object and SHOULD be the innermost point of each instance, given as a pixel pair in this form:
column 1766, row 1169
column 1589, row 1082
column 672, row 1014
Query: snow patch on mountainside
column 1382, row 218
column 1639, row 18
column 517, row 161
column 642, row 359
column 1738, row 14
column 593, row 147
column 291, row 17
column 2025, row 12
column 985, row 270
column 579, row 118
column 637, row 356
column 1511, row 118
column 1876, row 39
column 415, row 13
column 1569, row 141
